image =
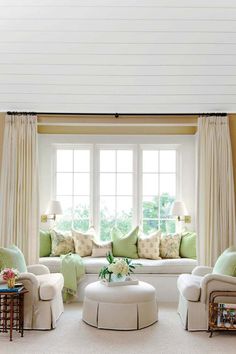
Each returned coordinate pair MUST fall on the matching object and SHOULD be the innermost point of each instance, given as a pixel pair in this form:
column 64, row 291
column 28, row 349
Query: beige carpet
column 73, row 336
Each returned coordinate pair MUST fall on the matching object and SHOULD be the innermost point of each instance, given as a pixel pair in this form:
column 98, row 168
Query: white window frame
column 89, row 147
column 158, row 147
column 137, row 174
column 98, row 148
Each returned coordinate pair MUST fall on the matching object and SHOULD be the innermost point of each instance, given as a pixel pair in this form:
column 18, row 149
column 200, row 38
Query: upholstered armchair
column 194, row 290
column 43, row 303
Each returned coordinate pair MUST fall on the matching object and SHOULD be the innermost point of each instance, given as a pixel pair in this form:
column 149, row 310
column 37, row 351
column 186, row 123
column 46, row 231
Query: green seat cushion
column 188, row 245
column 12, row 257
column 124, row 245
column 226, row 263
column 45, row 244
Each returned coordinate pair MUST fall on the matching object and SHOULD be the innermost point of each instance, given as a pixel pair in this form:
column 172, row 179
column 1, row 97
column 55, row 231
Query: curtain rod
column 117, row 115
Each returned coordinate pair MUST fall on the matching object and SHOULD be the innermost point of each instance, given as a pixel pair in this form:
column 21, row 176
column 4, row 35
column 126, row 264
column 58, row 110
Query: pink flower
column 9, row 273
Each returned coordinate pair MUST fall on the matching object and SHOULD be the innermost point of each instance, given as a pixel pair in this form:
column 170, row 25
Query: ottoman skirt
column 118, row 310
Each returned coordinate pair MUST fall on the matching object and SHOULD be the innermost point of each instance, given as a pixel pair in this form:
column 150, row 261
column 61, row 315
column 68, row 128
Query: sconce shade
column 54, row 208
column 178, row 209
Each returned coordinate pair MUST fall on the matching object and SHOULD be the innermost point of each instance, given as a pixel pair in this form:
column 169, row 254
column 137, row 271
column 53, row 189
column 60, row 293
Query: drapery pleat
column 215, row 189
column 19, row 218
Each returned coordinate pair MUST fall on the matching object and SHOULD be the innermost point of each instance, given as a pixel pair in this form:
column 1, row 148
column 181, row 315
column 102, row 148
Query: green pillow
column 188, row 245
column 226, row 263
column 124, row 245
column 45, row 244
column 12, row 257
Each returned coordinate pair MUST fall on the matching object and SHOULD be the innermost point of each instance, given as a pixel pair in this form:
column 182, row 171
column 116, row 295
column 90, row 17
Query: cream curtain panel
column 19, row 185
column 215, row 189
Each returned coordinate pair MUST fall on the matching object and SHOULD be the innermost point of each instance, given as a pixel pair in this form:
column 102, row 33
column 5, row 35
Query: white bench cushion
column 149, row 266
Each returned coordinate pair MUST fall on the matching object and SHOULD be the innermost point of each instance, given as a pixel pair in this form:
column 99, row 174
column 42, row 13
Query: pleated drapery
column 215, row 189
column 19, row 186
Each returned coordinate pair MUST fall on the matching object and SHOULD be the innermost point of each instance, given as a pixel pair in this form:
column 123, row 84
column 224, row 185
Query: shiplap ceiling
column 126, row 56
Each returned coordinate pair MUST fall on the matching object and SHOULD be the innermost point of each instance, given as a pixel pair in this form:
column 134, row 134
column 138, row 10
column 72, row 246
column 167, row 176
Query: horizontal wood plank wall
column 129, row 56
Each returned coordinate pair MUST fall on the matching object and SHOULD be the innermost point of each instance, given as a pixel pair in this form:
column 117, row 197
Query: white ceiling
column 126, row 56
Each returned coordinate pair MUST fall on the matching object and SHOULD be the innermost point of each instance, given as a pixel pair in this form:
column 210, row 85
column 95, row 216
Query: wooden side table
column 12, row 312
column 222, row 314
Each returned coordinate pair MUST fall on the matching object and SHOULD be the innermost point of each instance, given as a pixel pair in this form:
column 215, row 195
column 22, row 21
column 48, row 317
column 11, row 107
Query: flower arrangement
column 120, row 267
column 10, row 275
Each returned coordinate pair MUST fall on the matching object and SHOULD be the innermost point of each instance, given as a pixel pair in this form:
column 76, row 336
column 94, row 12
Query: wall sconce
column 179, row 209
column 54, row 208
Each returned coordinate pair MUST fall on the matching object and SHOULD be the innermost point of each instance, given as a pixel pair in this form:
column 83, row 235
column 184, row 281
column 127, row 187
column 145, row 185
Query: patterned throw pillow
column 61, row 243
column 83, row 242
column 148, row 245
column 169, row 246
column 101, row 249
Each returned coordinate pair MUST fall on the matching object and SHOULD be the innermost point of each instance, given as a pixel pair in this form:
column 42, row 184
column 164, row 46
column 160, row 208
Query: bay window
column 115, row 185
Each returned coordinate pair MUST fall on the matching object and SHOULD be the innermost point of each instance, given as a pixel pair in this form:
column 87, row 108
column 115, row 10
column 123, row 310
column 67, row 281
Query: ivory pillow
column 61, row 243
column 169, row 246
column 101, row 249
column 83, row 242
column 149, row 245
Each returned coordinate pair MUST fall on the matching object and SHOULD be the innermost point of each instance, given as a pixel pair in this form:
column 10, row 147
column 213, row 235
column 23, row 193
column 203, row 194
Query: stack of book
column 226, row 316
column 18, row 287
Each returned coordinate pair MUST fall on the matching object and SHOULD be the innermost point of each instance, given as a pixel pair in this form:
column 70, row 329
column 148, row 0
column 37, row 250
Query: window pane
column 124, row 161
column 167, row 226
column 107, row 217
column 167, row 161
column 64, row 222
column 66, row 204
column 107, row 161
column 81, row 213
column 124, row 207
column 150, row 184
column 64, row 183
column 168, row 184
column 107, row 207
column 81, row 160
column 124, row 214
column 166, row 202
column 81, row 207
column 150, row 161
column 107, row 184
column 81, row 224
column 124, row 184
column 64, row 160
column 150, row 207
column 150, row 225
column 81, row 184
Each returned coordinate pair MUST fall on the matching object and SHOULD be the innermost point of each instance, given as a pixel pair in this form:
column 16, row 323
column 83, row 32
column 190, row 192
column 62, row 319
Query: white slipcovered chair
column 43, row 303
column 194, row 290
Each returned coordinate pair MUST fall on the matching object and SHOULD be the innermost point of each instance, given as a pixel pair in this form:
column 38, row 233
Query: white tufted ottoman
column 121, row 307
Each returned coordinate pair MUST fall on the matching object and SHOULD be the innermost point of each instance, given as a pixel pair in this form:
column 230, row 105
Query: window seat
column 162, row 274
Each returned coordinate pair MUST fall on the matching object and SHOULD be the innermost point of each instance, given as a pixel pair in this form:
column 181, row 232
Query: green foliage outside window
column 152, row 219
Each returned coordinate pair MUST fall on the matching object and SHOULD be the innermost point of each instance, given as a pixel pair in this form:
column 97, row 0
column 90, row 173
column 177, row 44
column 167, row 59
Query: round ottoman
column 126, row 307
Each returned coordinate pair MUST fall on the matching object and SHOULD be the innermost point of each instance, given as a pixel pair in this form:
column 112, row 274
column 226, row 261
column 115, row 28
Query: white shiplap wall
column 130, row 56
